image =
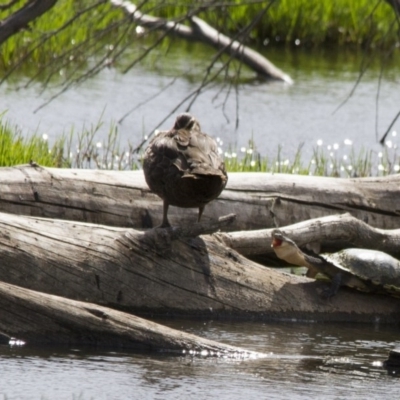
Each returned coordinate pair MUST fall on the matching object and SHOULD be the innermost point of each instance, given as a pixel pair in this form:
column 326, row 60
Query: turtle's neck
column 293, row 255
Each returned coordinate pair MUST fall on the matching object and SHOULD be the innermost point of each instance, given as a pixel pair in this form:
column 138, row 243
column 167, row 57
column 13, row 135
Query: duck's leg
column 165, row 223
column 201, row 209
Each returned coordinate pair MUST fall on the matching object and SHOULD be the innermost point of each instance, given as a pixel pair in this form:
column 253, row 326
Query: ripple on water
column 304, row 361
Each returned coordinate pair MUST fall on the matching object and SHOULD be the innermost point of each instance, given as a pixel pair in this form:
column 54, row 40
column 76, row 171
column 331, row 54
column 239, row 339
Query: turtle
column 183, row 167
column 363, row 269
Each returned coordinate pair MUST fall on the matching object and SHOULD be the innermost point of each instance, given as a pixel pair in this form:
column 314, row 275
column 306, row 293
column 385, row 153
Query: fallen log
column 333, row 232
column 253, row 59
column 159, row 273
column 259, row 200
column 39, row 318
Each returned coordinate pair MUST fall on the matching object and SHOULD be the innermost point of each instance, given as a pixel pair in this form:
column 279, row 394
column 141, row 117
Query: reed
column 299, row 22
column 83, row 149
column 15, row 148
column 90, row 152
column 324, row 162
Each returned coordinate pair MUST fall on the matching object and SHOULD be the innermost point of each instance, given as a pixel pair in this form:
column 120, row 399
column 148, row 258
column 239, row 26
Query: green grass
column 359, row 163
column 75, row 149
column 72, row 30
column 68, row 32
column 15, row 148
column 89, row 152
column 324, row 22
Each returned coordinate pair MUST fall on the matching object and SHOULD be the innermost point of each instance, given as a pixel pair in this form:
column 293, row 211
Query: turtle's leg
column 311, row 272
column 335, row 285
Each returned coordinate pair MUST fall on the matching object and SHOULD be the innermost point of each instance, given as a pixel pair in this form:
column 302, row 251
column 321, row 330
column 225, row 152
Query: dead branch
column 20, row 19
column 201, row 31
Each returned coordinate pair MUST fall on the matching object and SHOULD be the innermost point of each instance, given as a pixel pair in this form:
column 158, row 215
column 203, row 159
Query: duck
column 183, row 167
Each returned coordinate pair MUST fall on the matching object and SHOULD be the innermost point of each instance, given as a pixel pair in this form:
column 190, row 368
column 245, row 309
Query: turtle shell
column 370, row 266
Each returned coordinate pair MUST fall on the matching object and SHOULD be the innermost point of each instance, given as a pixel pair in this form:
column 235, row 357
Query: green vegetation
column 64, row 30
column 74, row 29
column 91, row 153
column 297, row 22
column 16, row 149
column 322, row 163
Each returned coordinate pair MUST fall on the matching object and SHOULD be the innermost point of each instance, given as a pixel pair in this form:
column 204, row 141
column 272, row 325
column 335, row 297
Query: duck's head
column 186, row 121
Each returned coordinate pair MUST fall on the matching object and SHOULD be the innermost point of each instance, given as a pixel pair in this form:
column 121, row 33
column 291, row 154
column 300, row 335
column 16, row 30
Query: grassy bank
column 15, row 148
column 301, row 22
column 88, row 151
column 65, row 28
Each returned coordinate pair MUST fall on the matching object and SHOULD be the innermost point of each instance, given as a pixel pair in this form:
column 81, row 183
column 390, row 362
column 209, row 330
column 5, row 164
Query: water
column 319, row 361
column 273, row 114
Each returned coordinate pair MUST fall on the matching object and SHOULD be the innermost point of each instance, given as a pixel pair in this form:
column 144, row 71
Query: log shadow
column 348, row 305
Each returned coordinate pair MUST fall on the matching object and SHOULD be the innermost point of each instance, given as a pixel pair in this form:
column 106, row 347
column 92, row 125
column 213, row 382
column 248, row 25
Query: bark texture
column 77, row 323
column 259, row 200
column 332, row 232
column 62, row 280
column 155, row 272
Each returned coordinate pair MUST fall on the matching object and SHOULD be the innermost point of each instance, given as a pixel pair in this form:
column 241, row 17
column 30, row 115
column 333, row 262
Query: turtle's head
column 186, row 121
column 286, row 249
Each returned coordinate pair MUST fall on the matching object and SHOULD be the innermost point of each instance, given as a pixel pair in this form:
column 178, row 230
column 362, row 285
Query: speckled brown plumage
column 183, row 166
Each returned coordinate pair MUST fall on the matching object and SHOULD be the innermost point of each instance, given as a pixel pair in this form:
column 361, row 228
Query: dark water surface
column 305, row 361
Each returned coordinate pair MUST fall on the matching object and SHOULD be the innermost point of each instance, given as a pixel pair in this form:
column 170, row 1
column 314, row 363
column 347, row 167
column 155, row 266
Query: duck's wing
column 200, row 154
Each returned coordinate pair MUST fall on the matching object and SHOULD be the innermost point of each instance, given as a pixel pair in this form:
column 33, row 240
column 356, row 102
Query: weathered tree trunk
column 159, row 273
column 259, row 200
column 333, row 231
column 43, row 319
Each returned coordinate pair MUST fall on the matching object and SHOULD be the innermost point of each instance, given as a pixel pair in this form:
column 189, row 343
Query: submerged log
column 53, row 319
column 259, row 200
column 161, row 273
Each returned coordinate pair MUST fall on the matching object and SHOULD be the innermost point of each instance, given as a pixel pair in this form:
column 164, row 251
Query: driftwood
column 259, row 200
column 155, row 273
column 39, row 318
column 200, row 31
column 96, row 269
column 334, row 231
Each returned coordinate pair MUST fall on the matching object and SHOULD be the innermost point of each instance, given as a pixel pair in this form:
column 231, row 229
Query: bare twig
column 144, row 102
column 383, row 138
